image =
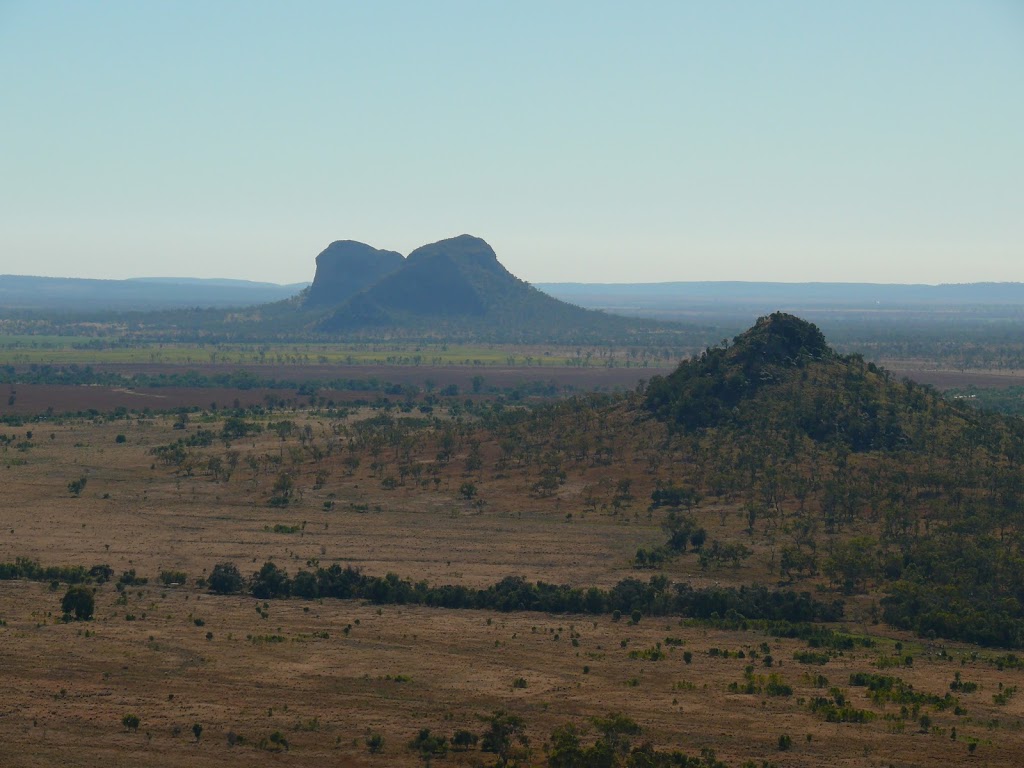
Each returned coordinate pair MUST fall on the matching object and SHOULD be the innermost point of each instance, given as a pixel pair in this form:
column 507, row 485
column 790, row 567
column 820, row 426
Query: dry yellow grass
column 68, row 685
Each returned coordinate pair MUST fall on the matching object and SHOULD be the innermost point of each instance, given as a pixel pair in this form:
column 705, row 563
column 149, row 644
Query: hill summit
column 780, row 339
column 346, row 267
column 781, row 375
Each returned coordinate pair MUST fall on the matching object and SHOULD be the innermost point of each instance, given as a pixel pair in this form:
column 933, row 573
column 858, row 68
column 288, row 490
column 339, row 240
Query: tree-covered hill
column 781, row 375
column 882, row 485
column 775, row 458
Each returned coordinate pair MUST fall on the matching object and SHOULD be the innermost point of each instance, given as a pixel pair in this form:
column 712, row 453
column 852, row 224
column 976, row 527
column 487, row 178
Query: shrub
column 275, row 743
column 130, row 722
column 374, row 743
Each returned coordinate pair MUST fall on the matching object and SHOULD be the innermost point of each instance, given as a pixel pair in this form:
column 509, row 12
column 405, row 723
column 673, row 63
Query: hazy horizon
column 593, row 283
column 586, row 142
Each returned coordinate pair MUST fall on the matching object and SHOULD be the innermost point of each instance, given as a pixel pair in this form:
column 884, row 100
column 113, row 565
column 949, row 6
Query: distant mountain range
column 666, row 300
column 68, row 294
column 458, row 288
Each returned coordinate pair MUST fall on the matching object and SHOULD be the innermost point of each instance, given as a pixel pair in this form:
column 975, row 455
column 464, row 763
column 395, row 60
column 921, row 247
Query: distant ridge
column 227, row 282
column 67, row 294
column 605, row 294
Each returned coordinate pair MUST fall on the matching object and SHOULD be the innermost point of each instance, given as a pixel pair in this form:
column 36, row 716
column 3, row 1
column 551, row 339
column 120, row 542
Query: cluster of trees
column 613, row 745
column 26, row 568
column 656, row 597
column 613, row 748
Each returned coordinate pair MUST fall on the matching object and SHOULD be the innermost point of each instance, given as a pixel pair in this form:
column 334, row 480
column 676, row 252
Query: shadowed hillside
column 346, row 267
column 458, row 287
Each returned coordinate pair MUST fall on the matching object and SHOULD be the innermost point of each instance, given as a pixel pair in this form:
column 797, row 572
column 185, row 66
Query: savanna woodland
column 773, row 554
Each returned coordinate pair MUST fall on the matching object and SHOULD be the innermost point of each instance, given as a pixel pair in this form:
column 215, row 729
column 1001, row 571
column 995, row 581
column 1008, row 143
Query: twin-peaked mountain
column 455, row 287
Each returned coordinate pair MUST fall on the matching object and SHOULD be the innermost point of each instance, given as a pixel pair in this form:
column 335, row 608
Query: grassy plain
column 325, row 675
column 19, row 349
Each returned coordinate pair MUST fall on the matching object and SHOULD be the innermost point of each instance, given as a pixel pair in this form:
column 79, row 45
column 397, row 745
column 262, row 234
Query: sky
column 867, row 141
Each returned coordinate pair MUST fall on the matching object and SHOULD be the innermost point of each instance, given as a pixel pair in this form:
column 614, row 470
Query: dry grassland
column 327, row 674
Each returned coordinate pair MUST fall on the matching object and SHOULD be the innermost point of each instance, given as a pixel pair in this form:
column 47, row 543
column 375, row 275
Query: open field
column 944, row 379
column 85, row 350
column 28, row 399
column 31, row 399
column 326, row 674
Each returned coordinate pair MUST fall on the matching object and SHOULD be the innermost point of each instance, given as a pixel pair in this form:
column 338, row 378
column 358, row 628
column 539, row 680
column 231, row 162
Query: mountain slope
column 458, row 287
column 782, row 371
column 884, row 487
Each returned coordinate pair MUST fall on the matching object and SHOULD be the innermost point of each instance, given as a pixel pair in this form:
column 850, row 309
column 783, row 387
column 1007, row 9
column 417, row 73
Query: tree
column 283, row 489
column 679, row 527
column 75, row 487
column 565, row 750
column 225, row 579
column 463, row 740
column 852, row 563
column 616, row 730
column 503, row 733
column 80, row 601
column 130, row 722
column 270, row 581
column 429, row 746
column 675, row 496
column 197, row 731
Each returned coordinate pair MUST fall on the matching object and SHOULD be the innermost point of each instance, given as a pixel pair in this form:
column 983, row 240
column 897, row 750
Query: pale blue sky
column 590, row 141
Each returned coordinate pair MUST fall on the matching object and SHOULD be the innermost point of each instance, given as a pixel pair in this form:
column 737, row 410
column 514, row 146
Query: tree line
column 657, row 597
